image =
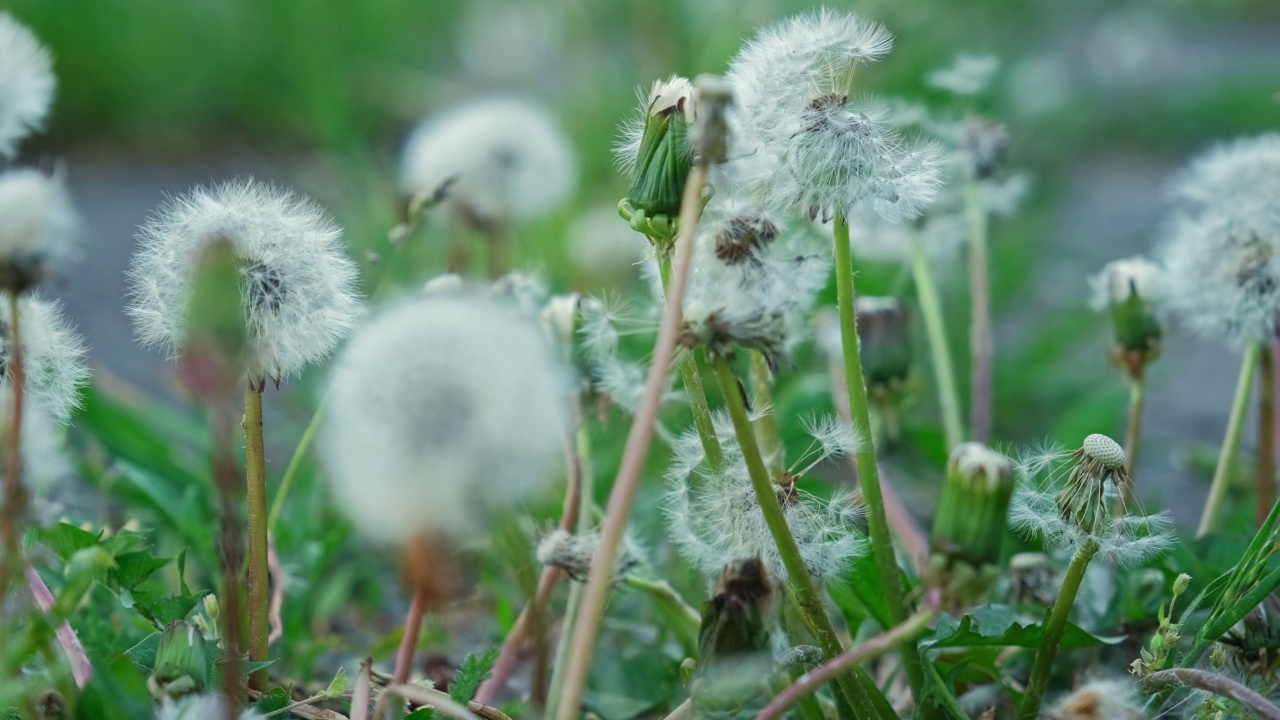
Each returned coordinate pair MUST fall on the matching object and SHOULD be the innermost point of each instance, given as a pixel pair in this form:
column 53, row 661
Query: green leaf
column 65, row 540
column 474, row 670
column 163, row 609
column 999, row 625
column 422, row 713
column 144, row 653
column 117, row 691
column 277, row 699
column 862, row 590
column 338, row 685
column 134, row 567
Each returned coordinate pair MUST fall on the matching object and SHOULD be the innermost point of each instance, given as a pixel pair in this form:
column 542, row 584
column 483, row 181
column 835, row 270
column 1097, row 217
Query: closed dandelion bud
column 886, row 347
column 181, row 667
column 969, row 526
column 1130, row 291
column 657, row 150
column 735, row 639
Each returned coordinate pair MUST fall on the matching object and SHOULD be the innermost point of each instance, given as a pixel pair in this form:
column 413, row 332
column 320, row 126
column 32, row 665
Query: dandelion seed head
column 199, row 707
column 714, row 518
column 527, row 290
column 39, row 221
column 1241, row 176
column 574, row 553
column 26, row 83
column 837, row 437
column 1100, row 700
column 44, row 454
column 297, row 283
column 966, row 75
column 1104, row 450
column 497, row 160
column 440, row 408
column 1121, row 278
column 53, row 356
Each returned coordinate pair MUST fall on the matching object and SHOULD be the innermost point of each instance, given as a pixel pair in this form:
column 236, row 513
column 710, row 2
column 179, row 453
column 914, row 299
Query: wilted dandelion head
column 966, row 75
column 1067, row 497
column 496, row 160
column 805, row 146
column 38, row 226
column 297, row 284
column 714, row 518
column 52, row 356
column 1220, row 252
column 26, row 83
column 438, row 409
column 752, row 282
column 1100, row 700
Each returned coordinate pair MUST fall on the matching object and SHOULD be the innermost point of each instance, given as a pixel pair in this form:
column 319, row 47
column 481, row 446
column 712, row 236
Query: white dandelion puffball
column 297, row 287
column 199, row 707
column 52, row 356
column 966, row 75
column 26, row 83
column 803, row 145
column 496, row 160
column 39, row 222
column 44, row 454
column 1120, row 278
column 1222, row 249
column 438, row 409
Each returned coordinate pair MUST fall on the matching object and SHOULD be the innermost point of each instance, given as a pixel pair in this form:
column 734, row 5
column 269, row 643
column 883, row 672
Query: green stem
column 1230, row 443
column 767, row 425
column 574, row 601
column 1266, row 431
column 868, row 473
column 1054, row 627
column 295, row 463
column 935, row 327
column 1132, row 437
column 259, row 579
column 806, row 594
column 981, row 335
column 694, row 388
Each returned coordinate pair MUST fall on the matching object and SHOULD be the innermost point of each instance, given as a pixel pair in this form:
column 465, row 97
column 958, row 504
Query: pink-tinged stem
column 409, row 643
column 874, row 647
column 81, row 668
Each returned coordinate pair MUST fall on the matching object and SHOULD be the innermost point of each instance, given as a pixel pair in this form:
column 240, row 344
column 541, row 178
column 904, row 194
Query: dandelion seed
column 1100, row 700
column 1220, row 251
column 715, row 518
column 813, row 151
column 497, row 160
column 52, row 354
column 297, row 289
column 1070, row 506
column 26, row 83
column 439, row 409
column 38, row 228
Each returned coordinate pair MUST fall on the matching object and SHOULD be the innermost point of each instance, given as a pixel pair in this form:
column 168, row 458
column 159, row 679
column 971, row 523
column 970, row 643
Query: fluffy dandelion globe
column 495, row 160
column 1222, row 252
column 297, row 288
column 438, row 409
column 53, row 353
column 810, row 150
column 26, row 83
column 38, row 228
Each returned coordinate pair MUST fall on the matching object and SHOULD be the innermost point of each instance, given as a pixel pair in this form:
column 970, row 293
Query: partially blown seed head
column 26, row 83
column 52, row 356
column 297, row 290
column 38, row 227
column 440, row 408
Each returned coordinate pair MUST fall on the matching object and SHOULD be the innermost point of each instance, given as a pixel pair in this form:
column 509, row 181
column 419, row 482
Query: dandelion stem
column 767, row 424
column 15, row 493
column 1133, row 436
column 981, row 337
column 409, row 641
column 806, row 594
column 622, row 498
column 1230, row 443
column 694, row 387
column 574, row 602
column 808, row 683
column 1266, row 431
column 868, row 473
column 935, row 327
column 259, row 578
column 1053, row 630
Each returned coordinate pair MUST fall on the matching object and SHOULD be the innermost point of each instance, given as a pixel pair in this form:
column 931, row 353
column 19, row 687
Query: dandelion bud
column 986, row 144
column 734, row 641
column 969, row 526
column 658, row 151
column 1129, row 290
column 886, row 347
column 1180, row 584
column 180, row 668
column 1100, row 700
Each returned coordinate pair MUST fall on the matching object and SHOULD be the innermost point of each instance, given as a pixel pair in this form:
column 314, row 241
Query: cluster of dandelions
column 714, row 516
column 1069, row 499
